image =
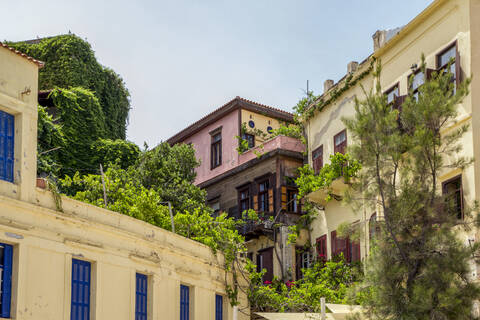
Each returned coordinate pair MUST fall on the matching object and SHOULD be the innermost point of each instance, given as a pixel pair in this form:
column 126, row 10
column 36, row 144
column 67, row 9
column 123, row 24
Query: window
column 215, row 205
column 81, row 275
column 292, row 201
column 303, row 260
column 340, row 142
column 322, row 248
column 418, row 79
column 392, row 94
column 453, row 192
column 218, row 307
column 141, row 297
column 216, row 150
column 263, row 203
column 244, row 199
column 349, row 249
column 184, row 302
column 6, row 146
column 317, row 159
column 250, row 138
column 448, row 55
column 6, row 254
column 265, row 261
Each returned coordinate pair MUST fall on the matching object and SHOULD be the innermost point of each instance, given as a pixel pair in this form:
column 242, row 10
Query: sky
column 181, row 59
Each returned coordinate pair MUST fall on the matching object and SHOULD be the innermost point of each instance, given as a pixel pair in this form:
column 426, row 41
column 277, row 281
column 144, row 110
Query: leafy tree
column 419, row 268
column 70, row 62
column 50, row 140
column 330, row 279
column 115, row 152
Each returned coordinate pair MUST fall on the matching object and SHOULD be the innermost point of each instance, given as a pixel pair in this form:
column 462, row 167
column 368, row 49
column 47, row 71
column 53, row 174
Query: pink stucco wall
column 202, row 140
column 279, row 142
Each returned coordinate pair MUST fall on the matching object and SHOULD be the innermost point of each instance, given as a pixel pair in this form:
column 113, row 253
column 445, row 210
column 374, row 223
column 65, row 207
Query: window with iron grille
column 263, row 196
column 216, row 150
column 141, row 297
column 7, row 123
column 6, row 255
column 340, row 142
column 81, row 277
column 453, row 192
column 317, row 159
column 184, row 302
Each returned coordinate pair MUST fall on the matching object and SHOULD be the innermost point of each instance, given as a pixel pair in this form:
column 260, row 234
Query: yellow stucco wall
column 440, row 25
column 261, row 123
column 45, row 240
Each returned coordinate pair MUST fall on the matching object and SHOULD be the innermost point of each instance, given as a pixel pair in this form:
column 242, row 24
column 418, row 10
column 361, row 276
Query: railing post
column 322, row 308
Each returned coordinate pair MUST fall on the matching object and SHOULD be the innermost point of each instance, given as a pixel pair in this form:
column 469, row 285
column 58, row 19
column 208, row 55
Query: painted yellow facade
column 261, row 122
column 444, row 23
column 118, row 247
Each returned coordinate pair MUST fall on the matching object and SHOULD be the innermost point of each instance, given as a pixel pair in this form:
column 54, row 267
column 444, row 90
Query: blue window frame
column 218, row 307
column 6, row 146
column 81, row 275
column 184, row 302
column 141, row 297
column 6, row 255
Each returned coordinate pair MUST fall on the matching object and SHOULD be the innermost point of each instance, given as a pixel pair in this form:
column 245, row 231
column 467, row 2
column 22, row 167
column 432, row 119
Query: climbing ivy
column 70, row 62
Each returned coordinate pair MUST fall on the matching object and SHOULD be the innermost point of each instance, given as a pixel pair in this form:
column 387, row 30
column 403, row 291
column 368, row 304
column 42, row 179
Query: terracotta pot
column 41, row 183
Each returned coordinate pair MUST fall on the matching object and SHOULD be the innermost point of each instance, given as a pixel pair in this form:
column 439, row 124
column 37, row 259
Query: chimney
column 327, row 85
column 379, row 39
column 352, row 67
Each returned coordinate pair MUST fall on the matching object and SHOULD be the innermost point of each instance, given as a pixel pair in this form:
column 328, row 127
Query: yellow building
column 87, row 262
column 446, row 28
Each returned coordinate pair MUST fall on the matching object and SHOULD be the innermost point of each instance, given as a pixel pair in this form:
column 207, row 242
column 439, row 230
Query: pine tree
column 420, row 266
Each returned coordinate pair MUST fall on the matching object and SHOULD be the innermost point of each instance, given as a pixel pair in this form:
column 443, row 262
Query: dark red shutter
column 268, row 264
column 322, row 248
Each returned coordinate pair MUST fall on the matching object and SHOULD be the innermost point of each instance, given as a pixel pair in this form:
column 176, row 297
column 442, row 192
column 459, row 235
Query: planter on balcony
column 337, row 188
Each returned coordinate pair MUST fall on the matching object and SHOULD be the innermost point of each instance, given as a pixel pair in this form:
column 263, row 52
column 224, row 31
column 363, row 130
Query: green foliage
column 419, row 267
column 341, row 165
column 330, row 279
column 70, row 62
column 50, row 142
column 115, row 152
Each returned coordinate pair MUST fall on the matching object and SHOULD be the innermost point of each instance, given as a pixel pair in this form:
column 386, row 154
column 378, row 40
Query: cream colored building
column 87, row 262
column 446, row 28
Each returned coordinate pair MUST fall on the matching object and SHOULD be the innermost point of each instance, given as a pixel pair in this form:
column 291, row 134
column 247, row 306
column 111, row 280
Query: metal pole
column 171, row 216
column 322, row 306
column 235, row 312
column 103, row 183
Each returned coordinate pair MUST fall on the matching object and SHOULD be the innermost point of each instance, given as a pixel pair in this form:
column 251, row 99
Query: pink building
column 259, row 176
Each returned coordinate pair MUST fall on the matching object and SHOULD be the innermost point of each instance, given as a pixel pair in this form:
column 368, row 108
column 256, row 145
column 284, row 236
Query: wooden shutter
column 141, row 297
column 429, row 73
column 7, row 132
column 218, row 307
column 333, row 243
column 270, row 199
column 268, row 264
column 7, row 280
column 298, row 262
column 356, row 251
column 458, row 68
column 184, row 302
column 322, row 248
column 284, row 197
column 80, row 301
column 255, row 202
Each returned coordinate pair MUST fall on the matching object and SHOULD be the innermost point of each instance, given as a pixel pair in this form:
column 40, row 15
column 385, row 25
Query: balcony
column 253, row 229
column 337, row 189
column 276, row 143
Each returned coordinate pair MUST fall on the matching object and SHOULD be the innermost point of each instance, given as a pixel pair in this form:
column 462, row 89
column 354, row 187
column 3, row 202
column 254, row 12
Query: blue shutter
column 184, row 302
column 141, row 297
column 7, row 280
column 218, row 307
column 80, row 309
column 7, row 129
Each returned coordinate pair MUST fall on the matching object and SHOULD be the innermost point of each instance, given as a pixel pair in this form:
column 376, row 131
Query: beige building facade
column 445, row 29
column 77, row 261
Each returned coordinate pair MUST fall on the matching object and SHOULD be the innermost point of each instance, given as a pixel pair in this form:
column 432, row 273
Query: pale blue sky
column 182, row 59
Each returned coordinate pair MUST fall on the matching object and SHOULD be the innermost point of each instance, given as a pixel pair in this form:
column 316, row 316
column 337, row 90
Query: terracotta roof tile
column 39, row 63
column 212, row 116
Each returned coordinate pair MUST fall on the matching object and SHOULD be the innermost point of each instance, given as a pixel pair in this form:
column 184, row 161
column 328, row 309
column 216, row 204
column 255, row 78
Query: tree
column 419, row 268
